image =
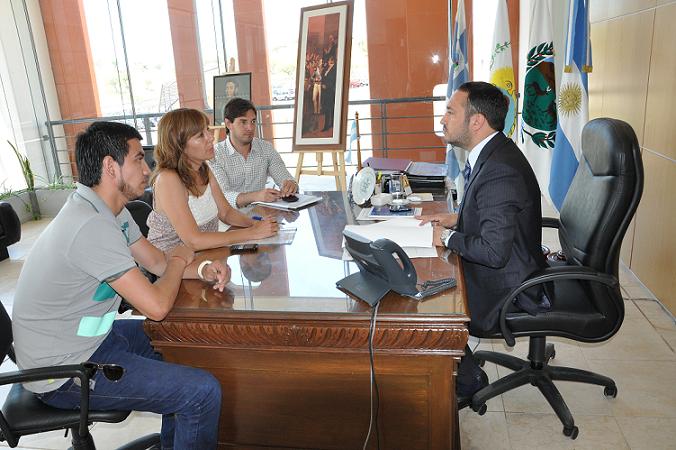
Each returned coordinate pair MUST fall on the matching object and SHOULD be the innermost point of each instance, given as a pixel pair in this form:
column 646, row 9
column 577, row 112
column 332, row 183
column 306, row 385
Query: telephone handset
column 402, row 278
column 380, row 272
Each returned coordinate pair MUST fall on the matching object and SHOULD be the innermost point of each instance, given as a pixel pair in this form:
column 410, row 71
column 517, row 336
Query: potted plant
column 53, row 196
column 28, row 175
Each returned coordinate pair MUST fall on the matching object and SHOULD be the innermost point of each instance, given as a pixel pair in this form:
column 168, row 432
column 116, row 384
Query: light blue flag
column 573, row 103
column 353, row 137
column 457, row 75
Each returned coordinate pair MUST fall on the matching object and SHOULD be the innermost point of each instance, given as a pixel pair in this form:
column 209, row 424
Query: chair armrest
column 46, row 373
column 550, row 222
column 545, row 276
column 43, row 373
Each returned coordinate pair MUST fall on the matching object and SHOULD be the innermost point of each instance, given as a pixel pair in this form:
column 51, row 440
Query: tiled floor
column 641, row 358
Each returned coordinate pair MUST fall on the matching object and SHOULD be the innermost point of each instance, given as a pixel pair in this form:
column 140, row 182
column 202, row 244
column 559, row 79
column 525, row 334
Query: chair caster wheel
column 571, row 432
column 482, row 409
column 610, row 391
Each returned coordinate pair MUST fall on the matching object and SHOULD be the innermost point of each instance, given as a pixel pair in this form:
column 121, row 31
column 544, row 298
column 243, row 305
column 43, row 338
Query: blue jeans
column 189, row 399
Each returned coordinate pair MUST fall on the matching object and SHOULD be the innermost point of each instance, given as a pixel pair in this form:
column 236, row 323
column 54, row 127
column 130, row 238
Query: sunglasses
column 111, row 371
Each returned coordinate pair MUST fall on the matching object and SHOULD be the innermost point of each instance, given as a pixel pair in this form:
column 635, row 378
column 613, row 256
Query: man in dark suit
column 497, row 231
column 329, row 93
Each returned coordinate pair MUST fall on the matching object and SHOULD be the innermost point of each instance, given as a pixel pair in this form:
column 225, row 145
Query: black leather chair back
column 139, row 211
column 6, row 337
column 149, row 156
column 596, row 213
column 603, row 195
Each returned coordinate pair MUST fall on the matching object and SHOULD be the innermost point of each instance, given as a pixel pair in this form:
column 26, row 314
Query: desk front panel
column 291, row 350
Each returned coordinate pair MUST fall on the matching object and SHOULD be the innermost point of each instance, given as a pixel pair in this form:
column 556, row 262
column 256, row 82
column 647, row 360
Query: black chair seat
column 574, row 313
column 26, row 414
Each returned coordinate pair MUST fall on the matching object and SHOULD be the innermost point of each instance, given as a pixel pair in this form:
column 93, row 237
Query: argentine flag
column 457, row 75
column 573, row 103
column 353, row 137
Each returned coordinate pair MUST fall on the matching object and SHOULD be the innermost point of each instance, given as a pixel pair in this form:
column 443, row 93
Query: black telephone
column 379, row 272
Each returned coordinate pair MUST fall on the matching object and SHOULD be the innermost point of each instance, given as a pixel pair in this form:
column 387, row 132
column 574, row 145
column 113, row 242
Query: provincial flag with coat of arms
column 539, row 117
column 501, row 69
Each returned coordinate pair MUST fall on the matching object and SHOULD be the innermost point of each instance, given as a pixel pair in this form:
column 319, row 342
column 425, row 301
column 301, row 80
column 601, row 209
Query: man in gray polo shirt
column 69, row 291
column 242, row 162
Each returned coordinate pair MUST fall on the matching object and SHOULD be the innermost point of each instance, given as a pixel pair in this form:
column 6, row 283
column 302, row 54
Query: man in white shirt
column 242, row 162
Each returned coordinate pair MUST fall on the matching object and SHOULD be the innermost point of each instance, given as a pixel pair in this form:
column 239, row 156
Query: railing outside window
column 378, row 124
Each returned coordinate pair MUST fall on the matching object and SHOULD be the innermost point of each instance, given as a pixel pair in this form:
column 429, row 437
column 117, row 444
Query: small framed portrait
column 227, row 87
column 322, row 76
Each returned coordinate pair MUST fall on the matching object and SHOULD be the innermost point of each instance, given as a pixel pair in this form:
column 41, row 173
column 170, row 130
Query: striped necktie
column 467, row 171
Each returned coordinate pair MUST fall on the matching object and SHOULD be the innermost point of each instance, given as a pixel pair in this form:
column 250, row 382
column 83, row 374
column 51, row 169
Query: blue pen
column 256, row 217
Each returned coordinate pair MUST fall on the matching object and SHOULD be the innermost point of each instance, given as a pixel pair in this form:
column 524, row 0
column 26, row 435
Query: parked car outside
column 280, row 94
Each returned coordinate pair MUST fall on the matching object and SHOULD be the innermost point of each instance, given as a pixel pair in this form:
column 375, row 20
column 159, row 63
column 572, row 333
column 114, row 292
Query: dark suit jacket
column 499, row 232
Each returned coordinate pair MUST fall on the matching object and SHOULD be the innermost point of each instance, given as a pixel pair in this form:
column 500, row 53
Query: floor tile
column 627, row 277
column 644, row 388
column 648, row 433
column 655, row 313
column 544, row 431
column 636, row 340
column 483, row 432
column 639, row 291
column 670, row 338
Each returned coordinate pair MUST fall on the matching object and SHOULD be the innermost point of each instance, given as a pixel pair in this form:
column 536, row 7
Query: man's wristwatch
column 445, row 235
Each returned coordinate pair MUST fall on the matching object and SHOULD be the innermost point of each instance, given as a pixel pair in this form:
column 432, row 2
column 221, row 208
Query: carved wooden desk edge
column 403, row 335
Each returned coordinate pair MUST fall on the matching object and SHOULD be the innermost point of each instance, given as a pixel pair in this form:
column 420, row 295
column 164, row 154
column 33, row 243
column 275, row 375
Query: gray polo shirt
column 63, row 307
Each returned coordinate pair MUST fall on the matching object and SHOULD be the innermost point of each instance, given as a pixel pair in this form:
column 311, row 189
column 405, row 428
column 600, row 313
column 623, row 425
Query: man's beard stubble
column 128, row 191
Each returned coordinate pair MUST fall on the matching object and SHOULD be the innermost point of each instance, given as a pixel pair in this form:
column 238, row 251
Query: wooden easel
column 338, row 171
column 337, row 158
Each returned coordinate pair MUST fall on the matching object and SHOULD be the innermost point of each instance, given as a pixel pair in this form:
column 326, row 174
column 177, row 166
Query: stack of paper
column 414, row 239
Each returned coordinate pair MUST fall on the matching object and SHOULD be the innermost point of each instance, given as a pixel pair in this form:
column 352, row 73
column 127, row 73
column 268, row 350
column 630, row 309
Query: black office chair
column 587, row 305
column 140, row 211
column 24, row 414
column 10, row 229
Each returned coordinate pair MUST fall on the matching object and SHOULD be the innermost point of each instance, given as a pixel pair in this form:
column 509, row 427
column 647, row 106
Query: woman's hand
column 264, row 228
column 217, row 273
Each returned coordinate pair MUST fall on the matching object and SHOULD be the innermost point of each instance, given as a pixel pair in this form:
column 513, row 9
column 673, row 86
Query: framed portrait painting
column 228, row 86
column 322, row 76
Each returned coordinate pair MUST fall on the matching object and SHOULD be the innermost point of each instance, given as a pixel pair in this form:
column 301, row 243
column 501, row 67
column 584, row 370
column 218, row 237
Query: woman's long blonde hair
column 174, row 130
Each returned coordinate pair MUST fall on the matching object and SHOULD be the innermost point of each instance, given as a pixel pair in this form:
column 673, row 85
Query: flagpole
column 356, row 121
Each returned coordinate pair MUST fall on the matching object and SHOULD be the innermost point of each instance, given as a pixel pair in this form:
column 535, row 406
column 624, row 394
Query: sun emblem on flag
column 570, row 99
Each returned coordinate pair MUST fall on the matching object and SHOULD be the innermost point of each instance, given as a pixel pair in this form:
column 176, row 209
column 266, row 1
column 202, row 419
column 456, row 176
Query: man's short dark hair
column 237, row 107
column 99, row 140
column 486, row 99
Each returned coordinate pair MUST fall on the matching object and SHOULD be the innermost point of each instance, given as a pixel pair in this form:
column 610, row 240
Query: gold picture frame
column 323, row 76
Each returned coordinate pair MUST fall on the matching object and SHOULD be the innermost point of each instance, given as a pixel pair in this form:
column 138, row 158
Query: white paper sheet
column 405, row 232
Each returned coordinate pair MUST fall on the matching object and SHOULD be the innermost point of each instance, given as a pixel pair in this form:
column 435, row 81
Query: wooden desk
column 291, row 350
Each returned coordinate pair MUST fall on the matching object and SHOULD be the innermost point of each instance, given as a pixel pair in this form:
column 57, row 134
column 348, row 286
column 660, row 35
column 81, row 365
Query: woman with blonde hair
column 188, row 201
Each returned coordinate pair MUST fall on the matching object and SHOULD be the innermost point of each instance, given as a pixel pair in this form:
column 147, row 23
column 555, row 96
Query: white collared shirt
column 236, row 174
column 473, row 156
